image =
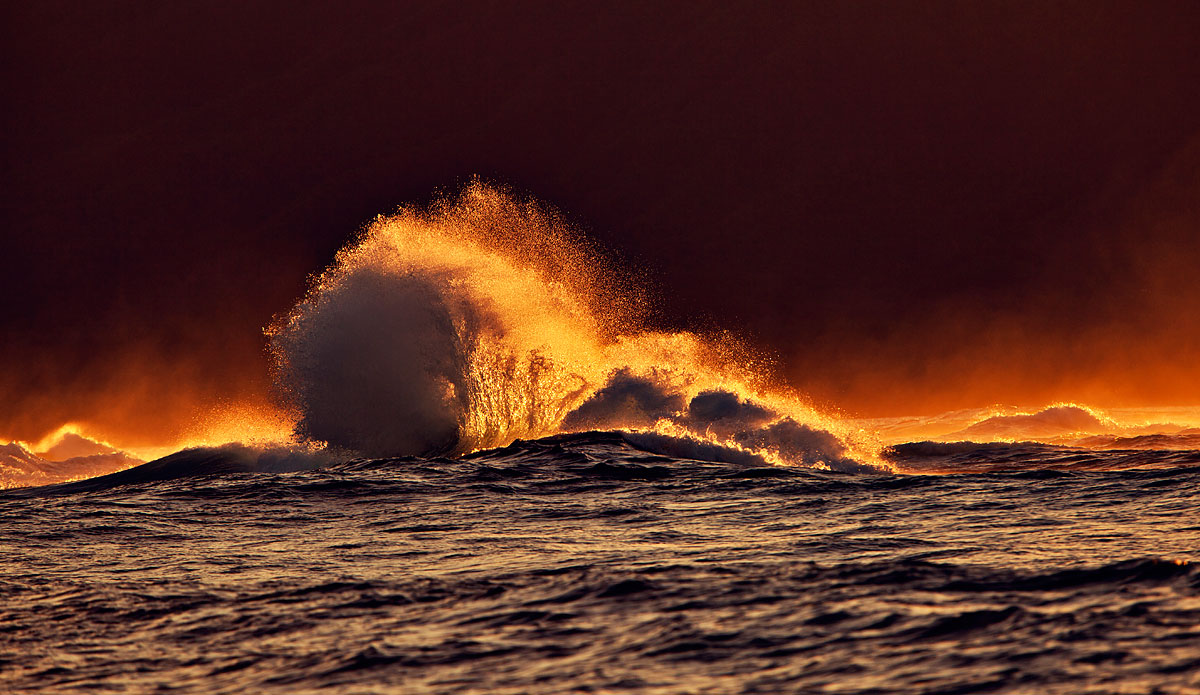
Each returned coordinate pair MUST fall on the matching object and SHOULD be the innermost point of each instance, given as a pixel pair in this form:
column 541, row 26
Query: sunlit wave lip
column 70, row 440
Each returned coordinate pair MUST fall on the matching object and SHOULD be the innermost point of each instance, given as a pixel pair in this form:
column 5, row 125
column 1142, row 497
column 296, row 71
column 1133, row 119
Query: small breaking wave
column 64, row 455
column 1049, row 423
column 20, row 467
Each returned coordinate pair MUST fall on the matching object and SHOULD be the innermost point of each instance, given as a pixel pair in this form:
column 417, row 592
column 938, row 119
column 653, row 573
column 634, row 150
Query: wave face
column 485, row 319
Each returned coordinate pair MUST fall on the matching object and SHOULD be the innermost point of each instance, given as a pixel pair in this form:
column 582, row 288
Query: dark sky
column 916, row 206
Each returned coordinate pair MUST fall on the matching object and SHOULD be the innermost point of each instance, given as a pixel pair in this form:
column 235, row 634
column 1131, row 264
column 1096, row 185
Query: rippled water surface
column 587, row 564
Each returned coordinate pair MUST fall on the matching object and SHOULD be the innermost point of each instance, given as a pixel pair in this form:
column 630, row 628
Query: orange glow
column 1074, row 424
column 244, row 423
column 1127, row 339
column 511, row 324
column 543, row 323
column 76, row 450
column 65, row 435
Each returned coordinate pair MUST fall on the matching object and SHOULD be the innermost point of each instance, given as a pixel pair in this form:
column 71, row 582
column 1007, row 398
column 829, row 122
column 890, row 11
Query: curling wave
column 485, row 319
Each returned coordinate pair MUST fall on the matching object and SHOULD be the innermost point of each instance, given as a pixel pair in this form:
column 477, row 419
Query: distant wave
column 1067, row 424
column 1055, row 421
column 20, row 467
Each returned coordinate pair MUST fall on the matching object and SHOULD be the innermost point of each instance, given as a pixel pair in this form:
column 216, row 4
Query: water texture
column 596, row 563
column 488, row 472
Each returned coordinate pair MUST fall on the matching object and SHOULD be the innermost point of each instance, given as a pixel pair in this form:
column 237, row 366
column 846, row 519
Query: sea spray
column 485, row 318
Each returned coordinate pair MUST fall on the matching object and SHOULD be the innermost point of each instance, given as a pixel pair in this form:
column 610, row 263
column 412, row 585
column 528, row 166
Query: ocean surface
column 482, row 472
column 607, row 562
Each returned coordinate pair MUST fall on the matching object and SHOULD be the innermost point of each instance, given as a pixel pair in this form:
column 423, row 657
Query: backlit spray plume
column 485, row 319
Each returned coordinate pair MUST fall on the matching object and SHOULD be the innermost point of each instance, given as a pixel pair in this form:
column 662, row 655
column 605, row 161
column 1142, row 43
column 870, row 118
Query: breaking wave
column 485, row 319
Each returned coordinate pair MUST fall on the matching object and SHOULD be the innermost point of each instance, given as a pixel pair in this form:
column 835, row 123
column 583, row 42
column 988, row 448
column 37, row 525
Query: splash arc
column 485, row 318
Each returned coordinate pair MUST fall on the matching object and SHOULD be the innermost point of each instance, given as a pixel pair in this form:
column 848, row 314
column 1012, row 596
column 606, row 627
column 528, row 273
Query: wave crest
column 485, row 319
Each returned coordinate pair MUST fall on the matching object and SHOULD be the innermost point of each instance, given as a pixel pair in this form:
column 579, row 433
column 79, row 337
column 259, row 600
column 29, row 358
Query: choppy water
column 586, row 563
